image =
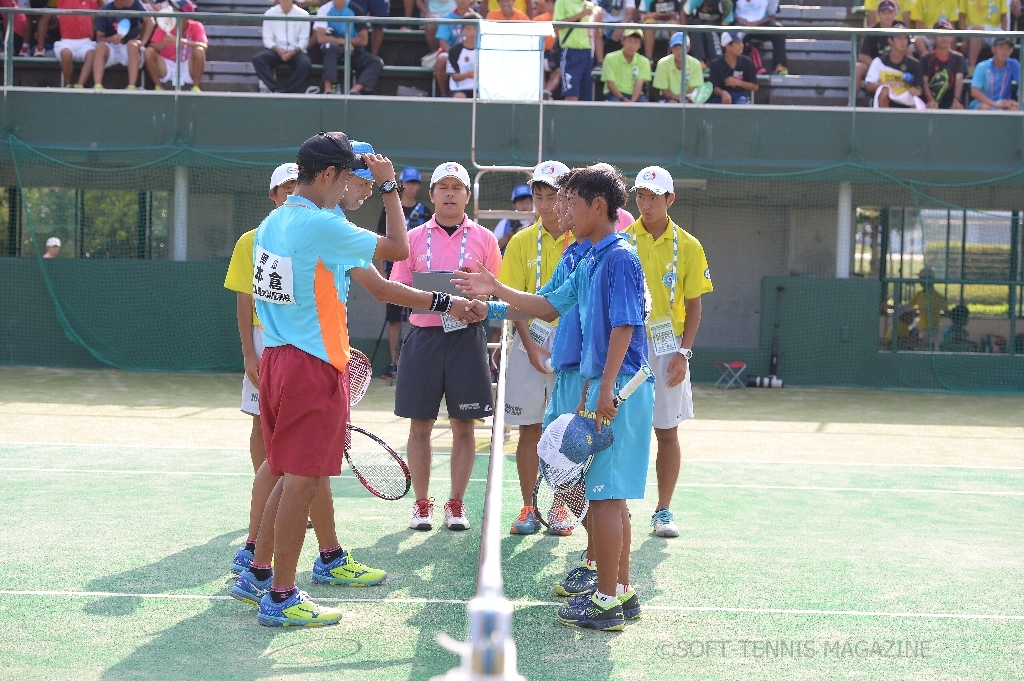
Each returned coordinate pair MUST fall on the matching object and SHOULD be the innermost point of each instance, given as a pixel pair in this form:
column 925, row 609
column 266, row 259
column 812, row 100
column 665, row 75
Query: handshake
column 467, row 311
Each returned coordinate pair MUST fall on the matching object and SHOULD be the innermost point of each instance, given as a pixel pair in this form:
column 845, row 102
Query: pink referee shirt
column 444, row 256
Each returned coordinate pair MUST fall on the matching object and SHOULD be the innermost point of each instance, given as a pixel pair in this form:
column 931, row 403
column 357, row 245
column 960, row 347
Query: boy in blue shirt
column 994, row 79
column 608, row 286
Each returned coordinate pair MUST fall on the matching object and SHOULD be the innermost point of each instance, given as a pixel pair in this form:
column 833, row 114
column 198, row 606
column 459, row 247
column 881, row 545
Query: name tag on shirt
column 540, row 332
column 272, row 278
column 451, row 323
column 663, row 337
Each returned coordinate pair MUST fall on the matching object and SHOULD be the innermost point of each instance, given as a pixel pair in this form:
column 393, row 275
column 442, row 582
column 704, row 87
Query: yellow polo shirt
column 519, row 264
column 240, row 269
column 692, row 275
column 931, row 305
column 930, row 11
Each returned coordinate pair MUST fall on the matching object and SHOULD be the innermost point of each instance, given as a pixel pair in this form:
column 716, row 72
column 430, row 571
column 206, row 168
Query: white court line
column 534, row 604
column 133, row 446
column 854, row 463
column 797, row 488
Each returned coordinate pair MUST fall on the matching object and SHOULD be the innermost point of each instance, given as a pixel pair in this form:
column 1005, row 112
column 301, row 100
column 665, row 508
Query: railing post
column 682, row 69
column 347, row 80
column 177, row 55
column 852, row 101
column 9, row 51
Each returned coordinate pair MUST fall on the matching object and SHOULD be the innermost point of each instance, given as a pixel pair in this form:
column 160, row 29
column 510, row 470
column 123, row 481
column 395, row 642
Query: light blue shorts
column 620, row 472
column 565, row 395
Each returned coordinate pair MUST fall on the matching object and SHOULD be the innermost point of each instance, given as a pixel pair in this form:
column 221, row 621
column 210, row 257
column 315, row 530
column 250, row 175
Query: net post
column 180, row 235
column 852, row 99
column 844, row 230
column 491, row 651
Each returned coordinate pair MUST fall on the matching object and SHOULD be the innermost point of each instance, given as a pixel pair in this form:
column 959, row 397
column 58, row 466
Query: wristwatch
column 388, row 187
column 686, row 352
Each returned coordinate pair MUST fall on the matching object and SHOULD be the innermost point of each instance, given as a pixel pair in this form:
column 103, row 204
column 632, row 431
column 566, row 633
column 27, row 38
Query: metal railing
column 826, row 32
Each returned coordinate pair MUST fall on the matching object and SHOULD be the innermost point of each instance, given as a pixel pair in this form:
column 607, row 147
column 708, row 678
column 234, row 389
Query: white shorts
column 672, row 406
column 250, row 392
column 119, row 55
column 186, row 77
column 527, row 391
column 78, row 47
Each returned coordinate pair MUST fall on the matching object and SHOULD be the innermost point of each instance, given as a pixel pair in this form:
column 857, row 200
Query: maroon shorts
column 304, row 412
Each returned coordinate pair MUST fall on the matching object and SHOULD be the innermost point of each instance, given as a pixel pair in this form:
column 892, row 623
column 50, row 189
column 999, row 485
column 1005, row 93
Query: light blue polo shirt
column 300, row 277
column 565, row 348
column 610, row 289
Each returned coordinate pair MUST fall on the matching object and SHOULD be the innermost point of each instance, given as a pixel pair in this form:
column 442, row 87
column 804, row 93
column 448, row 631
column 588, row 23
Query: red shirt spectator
column 194, row 31
column 76, row 28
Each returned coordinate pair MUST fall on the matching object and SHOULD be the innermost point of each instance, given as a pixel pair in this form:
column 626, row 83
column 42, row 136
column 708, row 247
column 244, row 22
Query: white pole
column 844, row 231
column 180, row 248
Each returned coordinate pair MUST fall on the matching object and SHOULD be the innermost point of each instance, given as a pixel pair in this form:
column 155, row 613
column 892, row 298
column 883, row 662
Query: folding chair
column 732, row 373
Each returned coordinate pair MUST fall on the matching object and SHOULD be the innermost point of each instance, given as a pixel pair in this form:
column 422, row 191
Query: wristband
column 497, row 310
column 442, row 302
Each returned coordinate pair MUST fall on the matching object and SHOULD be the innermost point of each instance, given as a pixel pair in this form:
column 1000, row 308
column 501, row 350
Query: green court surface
column 826, row 534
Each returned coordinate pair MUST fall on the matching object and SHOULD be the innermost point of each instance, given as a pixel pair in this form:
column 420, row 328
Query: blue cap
column 677, row 39
column 581, row 439
column 521, row 192
column 410, row 175
column 360, row 148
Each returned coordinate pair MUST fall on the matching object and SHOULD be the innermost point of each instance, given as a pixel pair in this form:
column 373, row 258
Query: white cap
column 284, row 173
column 728, row 37
column 450, row 169
column 655, row 179
column 53, row 241
column 548, row 172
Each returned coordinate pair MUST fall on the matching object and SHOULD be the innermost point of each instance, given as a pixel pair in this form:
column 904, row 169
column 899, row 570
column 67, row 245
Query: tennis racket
column 360, row 372
column 559, row 497
column 381, row 470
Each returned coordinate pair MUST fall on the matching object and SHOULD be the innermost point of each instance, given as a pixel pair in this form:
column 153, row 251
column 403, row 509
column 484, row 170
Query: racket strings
column 360, row 375
column 379, row 469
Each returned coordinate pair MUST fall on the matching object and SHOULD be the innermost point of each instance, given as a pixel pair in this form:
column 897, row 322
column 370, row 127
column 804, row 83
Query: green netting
column 156, row 301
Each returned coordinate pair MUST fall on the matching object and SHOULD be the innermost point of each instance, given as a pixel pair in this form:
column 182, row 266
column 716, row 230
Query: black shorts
column 396, row 313
column 435, row 364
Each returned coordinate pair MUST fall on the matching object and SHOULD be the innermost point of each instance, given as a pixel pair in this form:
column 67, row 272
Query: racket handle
column 638, row 379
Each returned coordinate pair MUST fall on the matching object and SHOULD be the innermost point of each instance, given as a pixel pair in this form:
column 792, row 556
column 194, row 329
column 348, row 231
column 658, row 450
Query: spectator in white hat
column 52, row 247
column 732, row 74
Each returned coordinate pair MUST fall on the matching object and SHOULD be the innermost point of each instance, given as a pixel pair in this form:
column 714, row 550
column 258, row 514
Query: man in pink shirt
column 159, row 55
column 441, row 357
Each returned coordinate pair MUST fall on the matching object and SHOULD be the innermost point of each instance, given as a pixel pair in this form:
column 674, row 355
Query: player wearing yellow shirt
column 530, row 259
column 931, row 305
column 239, row 280
column 677, row 276
column 983, row 15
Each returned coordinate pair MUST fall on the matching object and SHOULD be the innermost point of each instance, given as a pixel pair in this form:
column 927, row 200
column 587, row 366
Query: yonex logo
column 650, row 175
column 597, row 488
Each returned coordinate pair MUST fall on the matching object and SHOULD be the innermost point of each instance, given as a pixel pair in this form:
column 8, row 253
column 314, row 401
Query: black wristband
column 442, row 302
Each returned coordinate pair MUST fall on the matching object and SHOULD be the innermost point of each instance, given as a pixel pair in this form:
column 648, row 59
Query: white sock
column 621, row 589
column 605, row 600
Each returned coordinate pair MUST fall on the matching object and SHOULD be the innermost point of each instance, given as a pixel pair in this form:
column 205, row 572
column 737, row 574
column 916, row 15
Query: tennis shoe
column 422, row 514
column 390, row 373
column 241, row 561
column 582, row 579
column 664, row 523
column 630, row 605
column 344, row 570
column 250, row 590
column 559, row 523
column 526, row 523
column 590, row 613
column 295, row 611
column 455, row 515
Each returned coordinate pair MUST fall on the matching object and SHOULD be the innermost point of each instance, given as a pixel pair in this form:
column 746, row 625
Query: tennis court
column 825, row 534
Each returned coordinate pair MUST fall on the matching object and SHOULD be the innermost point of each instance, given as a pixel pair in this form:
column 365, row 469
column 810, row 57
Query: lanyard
column 462, row 249
column 675, row 257
column 1002, row 82
column 540, row 238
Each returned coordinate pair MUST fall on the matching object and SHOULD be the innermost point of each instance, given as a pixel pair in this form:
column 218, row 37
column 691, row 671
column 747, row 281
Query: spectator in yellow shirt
column 507, row 11
column 926, row 13
column 931, row 305
column 983, row 15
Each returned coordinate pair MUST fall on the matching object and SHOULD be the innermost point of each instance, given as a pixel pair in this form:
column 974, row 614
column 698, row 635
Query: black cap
column 326, row 149
column 1003, row 39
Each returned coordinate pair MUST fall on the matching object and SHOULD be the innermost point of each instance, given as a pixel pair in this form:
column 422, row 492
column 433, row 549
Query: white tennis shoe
column 422, row 514
column 664, row 523
column 455, row 515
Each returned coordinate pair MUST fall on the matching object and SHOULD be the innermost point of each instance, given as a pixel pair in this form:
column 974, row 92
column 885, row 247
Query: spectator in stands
column 373, row 8
column 462, row 62
column 447, row 36
column 625, row 72
column 732, row 74
column 668, row 77
column 906, row 330
column 522, row 201
column 577, row 63
column 984, row 15
column 41, row 23
column 872, row 10
column 76, row 42
column 433, row 9
column 335, row 36
column 706, row 46
column 956, row 338
column 160, row 54
column 415, row 215
column 612, row 12
column 930, row 305
column 120, row 41
column 52, row 247
column 658, row 12
column 896, row 79
column 551, row 55
column 944, row 71
column 527, row 7
column 754, row 13
column 996, row 79
column 285, row 43
column 925, row 13
column 875, row 45
column 507, row 11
